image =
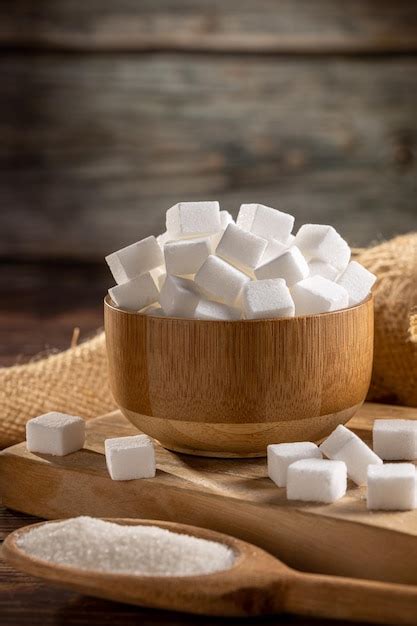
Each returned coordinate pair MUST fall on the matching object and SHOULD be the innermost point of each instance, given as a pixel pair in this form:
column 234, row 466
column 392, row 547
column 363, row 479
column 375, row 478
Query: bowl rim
column 108, row 303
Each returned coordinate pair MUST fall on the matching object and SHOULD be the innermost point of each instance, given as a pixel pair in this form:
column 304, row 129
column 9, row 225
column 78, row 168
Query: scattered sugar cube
column 272, row 250
column 55, row 433
column 190, row 219
column 186, row 256
column 290, row 265
column 241, row 248
column 210, row 310
column 320, row 268
column 344, row 445
column 392, row 487
column 316, row 480
column 281, row 455
column 138, row 258
column 357, row 281
column 318, row 295
column 221, row 281
column 130, row 457
column 395, row 440
column 136, row 293
column 159, row 274
column 267, row 298
column 318, row 241
column 179, row 297
column 265, row 222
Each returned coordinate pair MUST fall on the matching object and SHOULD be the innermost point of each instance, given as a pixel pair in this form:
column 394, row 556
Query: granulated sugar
column 88, row 543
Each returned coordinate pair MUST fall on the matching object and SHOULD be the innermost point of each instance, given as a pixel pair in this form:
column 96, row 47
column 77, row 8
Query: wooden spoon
column 257, row 584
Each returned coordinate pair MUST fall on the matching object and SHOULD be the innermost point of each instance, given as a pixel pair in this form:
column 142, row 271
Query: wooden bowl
column 228, row 389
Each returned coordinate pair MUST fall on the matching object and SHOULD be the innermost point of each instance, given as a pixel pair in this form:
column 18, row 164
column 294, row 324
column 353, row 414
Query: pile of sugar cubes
column 301, row 468
column 206, row 266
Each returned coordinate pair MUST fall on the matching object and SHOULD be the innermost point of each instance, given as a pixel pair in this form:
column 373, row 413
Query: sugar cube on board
column 241, row 248
column 395, row 440
column 273, row 249
column 316, row 480
column 266, row 299
column 179, row 297
column 344, row 445
column 320, row 268
column 281, row 455
column 316, row 294
column 265, row 222
column 136, row 293
column 318, row 241
column 130, row 457
column 210, row 310
column 55, row 433
column 357, row 281
column 135, row 259
column 221, row 281
column 190, row 219
column 392, row 487
column 186, row 256
column 290, row 265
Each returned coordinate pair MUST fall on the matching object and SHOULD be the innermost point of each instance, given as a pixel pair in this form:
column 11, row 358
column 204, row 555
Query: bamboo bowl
column 228, row 389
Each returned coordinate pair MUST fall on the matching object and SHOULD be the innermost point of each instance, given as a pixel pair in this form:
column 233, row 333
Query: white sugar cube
column 318, row 241
column 281, row 455
column 267, row 298
column 190, row 219
column 179, row 297
column 316, row 480
column 395, row 440
column 320, row 268
column 186, row 256
column 130, row 457
column 136, row 293
column 221, row 281
column 392, row 487
column 357, row 281
column 290, row 265
column 55, row 433
column 273, row 250
column 241, row 248
column 265, row 222
column 210, row 310
column 318, row 295
column 344, row 445
column 138, row 258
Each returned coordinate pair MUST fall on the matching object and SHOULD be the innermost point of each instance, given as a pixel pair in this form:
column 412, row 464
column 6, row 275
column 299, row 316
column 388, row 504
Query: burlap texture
column 76, row 381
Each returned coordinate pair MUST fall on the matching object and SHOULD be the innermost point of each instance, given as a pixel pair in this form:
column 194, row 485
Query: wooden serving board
column 228, row 495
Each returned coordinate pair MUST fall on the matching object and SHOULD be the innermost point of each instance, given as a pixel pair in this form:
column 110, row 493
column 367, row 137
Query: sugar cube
column 186, row 256
column 159, row 274
column 320, row 268
column 318, row 241
column 395, row 440
column 241, row 248
column 190, row 219
column 267, row 298
column 316, row 480
column 210, row 310
column 316, row 294
column 392, row 487
column 55, row 433
column 130, row 457
column 290, row 265
column 136, row 293
column 272, row 250
column 344, row 445
column 265, row 222
column 357, row 281
column 138, row 258
column 221, row 281
column 179, row 297
column 281, row 455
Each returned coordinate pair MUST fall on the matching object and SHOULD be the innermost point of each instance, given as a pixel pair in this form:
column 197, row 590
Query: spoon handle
column 350, row 599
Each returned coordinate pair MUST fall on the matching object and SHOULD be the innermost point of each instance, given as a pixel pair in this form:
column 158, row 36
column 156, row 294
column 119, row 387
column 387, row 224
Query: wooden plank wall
column 112, row 111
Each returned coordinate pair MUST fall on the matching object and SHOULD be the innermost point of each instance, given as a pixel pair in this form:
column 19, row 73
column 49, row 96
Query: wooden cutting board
column 228, row 495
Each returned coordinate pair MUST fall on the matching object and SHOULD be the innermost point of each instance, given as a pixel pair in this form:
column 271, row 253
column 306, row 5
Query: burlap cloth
column 76, row 381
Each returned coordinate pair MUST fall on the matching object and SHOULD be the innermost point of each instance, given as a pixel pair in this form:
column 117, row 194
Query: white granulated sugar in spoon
column 94, row 544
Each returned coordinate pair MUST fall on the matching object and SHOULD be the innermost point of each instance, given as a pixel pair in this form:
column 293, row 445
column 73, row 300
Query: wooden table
column 41, row 306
